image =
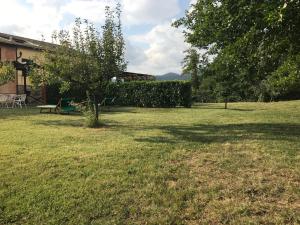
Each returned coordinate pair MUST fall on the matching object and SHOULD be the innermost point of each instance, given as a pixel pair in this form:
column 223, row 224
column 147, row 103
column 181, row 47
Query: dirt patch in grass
column 241, row 184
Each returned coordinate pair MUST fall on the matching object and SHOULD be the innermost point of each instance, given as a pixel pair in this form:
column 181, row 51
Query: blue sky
column 153, row 46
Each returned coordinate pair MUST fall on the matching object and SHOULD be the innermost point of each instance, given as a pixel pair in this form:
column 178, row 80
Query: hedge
column 164, row 94
column 151, row 94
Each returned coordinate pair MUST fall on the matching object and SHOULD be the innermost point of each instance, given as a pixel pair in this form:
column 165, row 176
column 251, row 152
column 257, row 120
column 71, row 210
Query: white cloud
column 135, row 12
column 93, row 10
column 163, row 45
column 149, row 11
column 193, row 2
column 37, row 17
column 135, row 55
column 165, row 52
column 29, row 21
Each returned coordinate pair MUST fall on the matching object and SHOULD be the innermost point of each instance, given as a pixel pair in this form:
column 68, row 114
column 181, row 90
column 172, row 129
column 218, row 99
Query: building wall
column 37, row 57
column 32, row 54
column 8, row 54
column 9, row 88
column 29, row 53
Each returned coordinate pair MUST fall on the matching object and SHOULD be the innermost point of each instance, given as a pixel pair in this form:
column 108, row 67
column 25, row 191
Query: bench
column 47, row 107
column 64, row 106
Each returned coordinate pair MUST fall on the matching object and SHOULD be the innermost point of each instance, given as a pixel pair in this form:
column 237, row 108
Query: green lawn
column 203, row 165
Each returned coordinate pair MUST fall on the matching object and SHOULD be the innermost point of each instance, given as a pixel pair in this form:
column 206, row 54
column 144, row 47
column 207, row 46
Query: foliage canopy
column 252, row 41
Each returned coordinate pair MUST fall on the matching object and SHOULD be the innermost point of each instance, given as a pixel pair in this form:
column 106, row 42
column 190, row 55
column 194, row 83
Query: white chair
column 20, row 101
column 11, row 100
column 3, row 101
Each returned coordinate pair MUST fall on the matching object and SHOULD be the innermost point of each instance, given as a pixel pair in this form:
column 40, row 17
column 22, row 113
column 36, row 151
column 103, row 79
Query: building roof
column 14, row 40
column 23, row 42
column 137, row 76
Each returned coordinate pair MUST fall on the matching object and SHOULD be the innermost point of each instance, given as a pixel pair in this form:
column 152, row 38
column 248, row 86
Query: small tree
column 7, row 72
column 228, row 81
column 85, row 60
column 191, row 66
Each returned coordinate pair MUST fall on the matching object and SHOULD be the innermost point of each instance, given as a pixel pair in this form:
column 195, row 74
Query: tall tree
column 252, row 39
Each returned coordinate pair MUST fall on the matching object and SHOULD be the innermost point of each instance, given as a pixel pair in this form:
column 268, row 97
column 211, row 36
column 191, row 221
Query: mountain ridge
column 172, row 76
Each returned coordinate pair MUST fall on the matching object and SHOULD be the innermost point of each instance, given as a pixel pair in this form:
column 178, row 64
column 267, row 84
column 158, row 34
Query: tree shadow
column 240, row 110
column 205, row 133
column 61, row 122
column 15, row 113
column 74, row 123
column 116, row 110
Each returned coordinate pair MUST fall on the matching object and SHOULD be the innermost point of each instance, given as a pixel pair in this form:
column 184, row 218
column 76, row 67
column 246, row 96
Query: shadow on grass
column 241, row 110
column 15, row 113
column 75, row 123
column 228, row 109
column 225, row 133
column 115, row 110
column 61, row 122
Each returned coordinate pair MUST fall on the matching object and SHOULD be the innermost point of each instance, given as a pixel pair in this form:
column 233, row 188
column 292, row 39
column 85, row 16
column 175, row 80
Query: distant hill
column 173, row 76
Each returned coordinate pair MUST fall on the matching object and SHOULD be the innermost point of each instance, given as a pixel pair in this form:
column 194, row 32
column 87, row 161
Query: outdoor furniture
column 20, row 100
column 108, row 101
column 10, row 101
column 3, row 101
column 7, row 100
column 47, row 107
column 64, row 106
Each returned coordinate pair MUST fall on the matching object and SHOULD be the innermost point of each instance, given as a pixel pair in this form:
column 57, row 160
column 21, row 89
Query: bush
column 90, row 119
column 7, row 72
column 139, row 93
column 151, row 94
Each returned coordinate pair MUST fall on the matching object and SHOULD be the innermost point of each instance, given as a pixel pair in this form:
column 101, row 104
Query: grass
column 203, row 165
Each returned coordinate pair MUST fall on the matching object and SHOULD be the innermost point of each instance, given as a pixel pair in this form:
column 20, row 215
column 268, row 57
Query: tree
column 286, row 79
column 85, row 60
column 7, row 72
column 251, row 39
column 120, row 43
column 191, row 66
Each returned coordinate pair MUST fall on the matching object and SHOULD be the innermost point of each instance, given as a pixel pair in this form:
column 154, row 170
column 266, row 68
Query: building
column 129, row 76
column 21, row 51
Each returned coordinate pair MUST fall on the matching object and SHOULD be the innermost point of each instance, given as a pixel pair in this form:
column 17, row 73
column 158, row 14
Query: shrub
column 7, row 72
column 90, row 119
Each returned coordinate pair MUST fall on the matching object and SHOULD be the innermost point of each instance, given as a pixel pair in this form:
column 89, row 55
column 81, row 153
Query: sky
column 153, row 46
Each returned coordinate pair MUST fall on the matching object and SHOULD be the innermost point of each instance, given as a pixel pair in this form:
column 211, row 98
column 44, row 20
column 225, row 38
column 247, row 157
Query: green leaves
column 254, row 40
column 7, row 72
column 151, row 94
column 286, row 78
column 87, row 59
column 191, row 66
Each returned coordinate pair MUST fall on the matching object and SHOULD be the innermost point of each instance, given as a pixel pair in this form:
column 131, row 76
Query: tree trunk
column 96, row 101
